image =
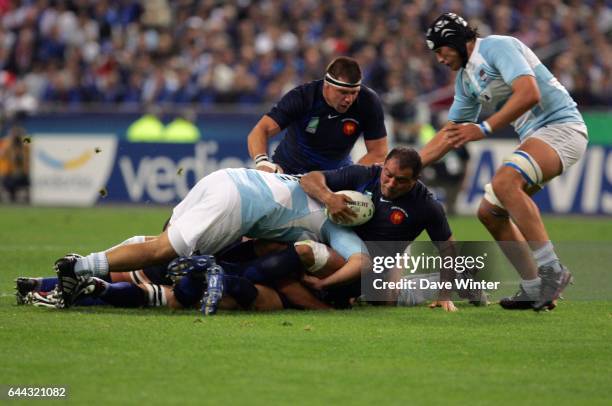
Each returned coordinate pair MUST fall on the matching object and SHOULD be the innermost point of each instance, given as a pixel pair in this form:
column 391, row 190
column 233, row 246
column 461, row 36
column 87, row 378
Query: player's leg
column 136, row 277
column 512, row 243
column 71, row 269
column 511, row 180
column 303, row 256
column 298, row 296
column 204, row 220
column 540, row 158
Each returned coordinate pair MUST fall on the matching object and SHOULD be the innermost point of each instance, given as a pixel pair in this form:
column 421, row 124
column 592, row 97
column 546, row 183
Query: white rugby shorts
column 569, row 140
column 208, row 219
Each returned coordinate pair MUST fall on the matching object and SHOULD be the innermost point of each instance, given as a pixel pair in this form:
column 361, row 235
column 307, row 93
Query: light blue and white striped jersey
column 494, row 64
column 275, row 207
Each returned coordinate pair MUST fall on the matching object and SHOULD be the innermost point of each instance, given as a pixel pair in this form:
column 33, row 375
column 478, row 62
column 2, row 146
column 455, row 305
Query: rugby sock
column 545, row 255
column 123, row 294
column 46, row 284
column 273, row 266
column 241, row 289
column 156, row 295
column 532, row 287
column 95, row 264
column 132, row 240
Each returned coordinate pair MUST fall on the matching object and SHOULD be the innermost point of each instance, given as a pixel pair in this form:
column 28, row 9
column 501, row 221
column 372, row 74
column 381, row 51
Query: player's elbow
column 534, row 96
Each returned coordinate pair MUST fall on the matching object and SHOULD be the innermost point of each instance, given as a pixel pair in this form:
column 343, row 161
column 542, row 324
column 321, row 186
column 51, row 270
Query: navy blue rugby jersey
column 401, row 219
column 317, row 136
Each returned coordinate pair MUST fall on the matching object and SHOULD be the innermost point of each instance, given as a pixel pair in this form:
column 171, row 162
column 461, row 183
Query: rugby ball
column 361, row 204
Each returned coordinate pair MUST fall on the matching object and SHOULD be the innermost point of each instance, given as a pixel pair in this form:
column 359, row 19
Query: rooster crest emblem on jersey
column 349, row 127
column 397, row 217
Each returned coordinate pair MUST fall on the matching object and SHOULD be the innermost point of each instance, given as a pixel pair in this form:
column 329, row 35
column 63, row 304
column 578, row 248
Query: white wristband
column 261, row 157
column 486, row 128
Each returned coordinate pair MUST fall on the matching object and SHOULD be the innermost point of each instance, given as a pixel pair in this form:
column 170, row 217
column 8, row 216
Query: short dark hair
column 407, row 158
column 344, row 67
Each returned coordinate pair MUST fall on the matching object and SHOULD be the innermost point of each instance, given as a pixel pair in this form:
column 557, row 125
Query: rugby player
column 221, row 208
column 404, row 208
column 324, row 119
column 502, row 73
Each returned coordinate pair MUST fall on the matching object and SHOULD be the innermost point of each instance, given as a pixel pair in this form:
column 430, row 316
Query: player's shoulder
column 304, row 92
column 423, row 195
column 495, row 44
column 309, row 88
column 368, row 97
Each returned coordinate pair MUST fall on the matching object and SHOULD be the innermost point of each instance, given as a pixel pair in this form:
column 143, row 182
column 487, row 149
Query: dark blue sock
column 241, row 289
column 47, row 284
column 273, row 266
column 124, row 294
column 188, row 291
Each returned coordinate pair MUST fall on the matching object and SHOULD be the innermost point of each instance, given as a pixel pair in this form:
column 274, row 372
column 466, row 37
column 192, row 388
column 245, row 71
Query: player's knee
column 484, row 214
column 503, row 187
column 491, row 215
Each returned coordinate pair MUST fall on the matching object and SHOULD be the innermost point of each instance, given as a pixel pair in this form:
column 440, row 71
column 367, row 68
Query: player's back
column 274, row 206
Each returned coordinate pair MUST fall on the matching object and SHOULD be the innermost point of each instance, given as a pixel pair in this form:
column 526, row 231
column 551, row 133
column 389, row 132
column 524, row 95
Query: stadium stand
column 245, row 52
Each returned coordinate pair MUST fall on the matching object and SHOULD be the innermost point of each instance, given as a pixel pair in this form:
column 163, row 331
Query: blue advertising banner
column 83, row 171
column 586, row 188
column 164, row 173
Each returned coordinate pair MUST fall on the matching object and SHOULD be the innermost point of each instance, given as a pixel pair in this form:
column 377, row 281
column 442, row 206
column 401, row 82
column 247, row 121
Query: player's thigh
column 556, row 147
column 544, row 156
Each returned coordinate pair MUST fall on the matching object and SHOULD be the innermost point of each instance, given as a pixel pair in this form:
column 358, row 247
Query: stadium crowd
column 246, row 51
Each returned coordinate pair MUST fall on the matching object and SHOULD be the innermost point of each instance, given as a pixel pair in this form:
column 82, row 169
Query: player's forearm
column 257, row 139
column 376, row 151
column 314, row 185
column 348, row 273
column 257, row 142
column 435, row 149
column 371, row 158
column 446, row 249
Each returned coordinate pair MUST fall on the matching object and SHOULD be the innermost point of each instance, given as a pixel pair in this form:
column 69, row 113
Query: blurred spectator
column 15, row 165
column 19, row 102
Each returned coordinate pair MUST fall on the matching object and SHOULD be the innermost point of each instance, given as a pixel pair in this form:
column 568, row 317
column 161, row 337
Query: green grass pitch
column 362, row 356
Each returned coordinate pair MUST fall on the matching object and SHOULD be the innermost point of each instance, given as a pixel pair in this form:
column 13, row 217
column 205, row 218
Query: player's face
column 449, row 57
column 340, row 98
column 394, row 181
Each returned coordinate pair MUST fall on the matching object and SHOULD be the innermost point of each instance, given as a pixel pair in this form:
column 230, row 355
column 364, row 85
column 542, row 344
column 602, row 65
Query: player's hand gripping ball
column 361, row 205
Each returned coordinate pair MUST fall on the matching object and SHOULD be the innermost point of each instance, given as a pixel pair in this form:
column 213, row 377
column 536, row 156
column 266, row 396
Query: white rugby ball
column 361, row 204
